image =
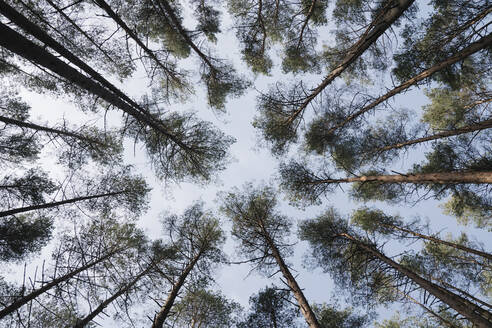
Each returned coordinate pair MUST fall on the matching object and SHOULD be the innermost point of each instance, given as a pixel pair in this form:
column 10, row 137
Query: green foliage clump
column 23, row 235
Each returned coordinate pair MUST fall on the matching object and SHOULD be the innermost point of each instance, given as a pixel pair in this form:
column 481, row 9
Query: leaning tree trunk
column 483, row 43
column 56, row 204
column 34, row 30
column 444, row 134
column 420, row 178
column 81, row 31
column 440, row 241
column 371, row 35
column 32, row 126
column 304, row 306
column 31, row 296
column 83, row 322
column 166, row 308
column 471, row 311
column 18, row 44
column 169, row 11
column 111, row 13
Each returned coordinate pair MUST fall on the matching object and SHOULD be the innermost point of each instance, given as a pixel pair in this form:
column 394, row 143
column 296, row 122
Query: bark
column 31, row 296
column 425, row 178
column 111, row 13
column 375, row 30
column 18, row 44
column 444, row 134
column 483, row 43
column 164, row 311
column 55, row 204
column 443, row 242
column 83, row 322
column 37, row 127
column 304, row 306
column 464, row 307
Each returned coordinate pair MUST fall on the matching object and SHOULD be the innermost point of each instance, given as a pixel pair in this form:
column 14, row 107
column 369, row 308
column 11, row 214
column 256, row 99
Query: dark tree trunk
column 440, row 241
column 464, row 307
column 111, row 13
column 29, row 297
column 375, row 30
column 18, row 44
column 83, row 322
column 304, row 306
column 420, row 178
column 444, row 134
column 55, row 204
column 164, row 311
column 37, row 127
column 170, row 12
column 483, row 43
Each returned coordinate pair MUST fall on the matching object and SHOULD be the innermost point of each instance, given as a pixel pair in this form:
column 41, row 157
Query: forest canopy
column 246, row 163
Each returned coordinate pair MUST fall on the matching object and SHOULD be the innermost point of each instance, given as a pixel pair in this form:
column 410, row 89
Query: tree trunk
column 464, row 307
column 424, row 178
column 55, row 204
column 37, row 127
column 169, row 11
column 440, row 241
column 111, row 13
column 42, row 36
column 483, row 43
column 83, row 322
column 164, row 311
column 375, row 30
column 88, row 37
column 304, row 306
column 306, row 21
column 26, row 299
column 444, row 134
column 18, row 44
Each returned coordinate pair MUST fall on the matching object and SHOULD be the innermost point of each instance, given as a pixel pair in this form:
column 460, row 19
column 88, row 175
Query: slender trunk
column 306, row 21
column 18, row 44
column 440, row 241
column 444, row 134
column 464, row 307
column 164, row 311
column 88, row 37
column 304, row 306
column 376, row 29
column 83, row 322
column 29, row 297
column 169, row 11
column 483, row 43
column 55, row 204
column 37, row 127
column 42, row 36
column 427, row 178
column 111, row 13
